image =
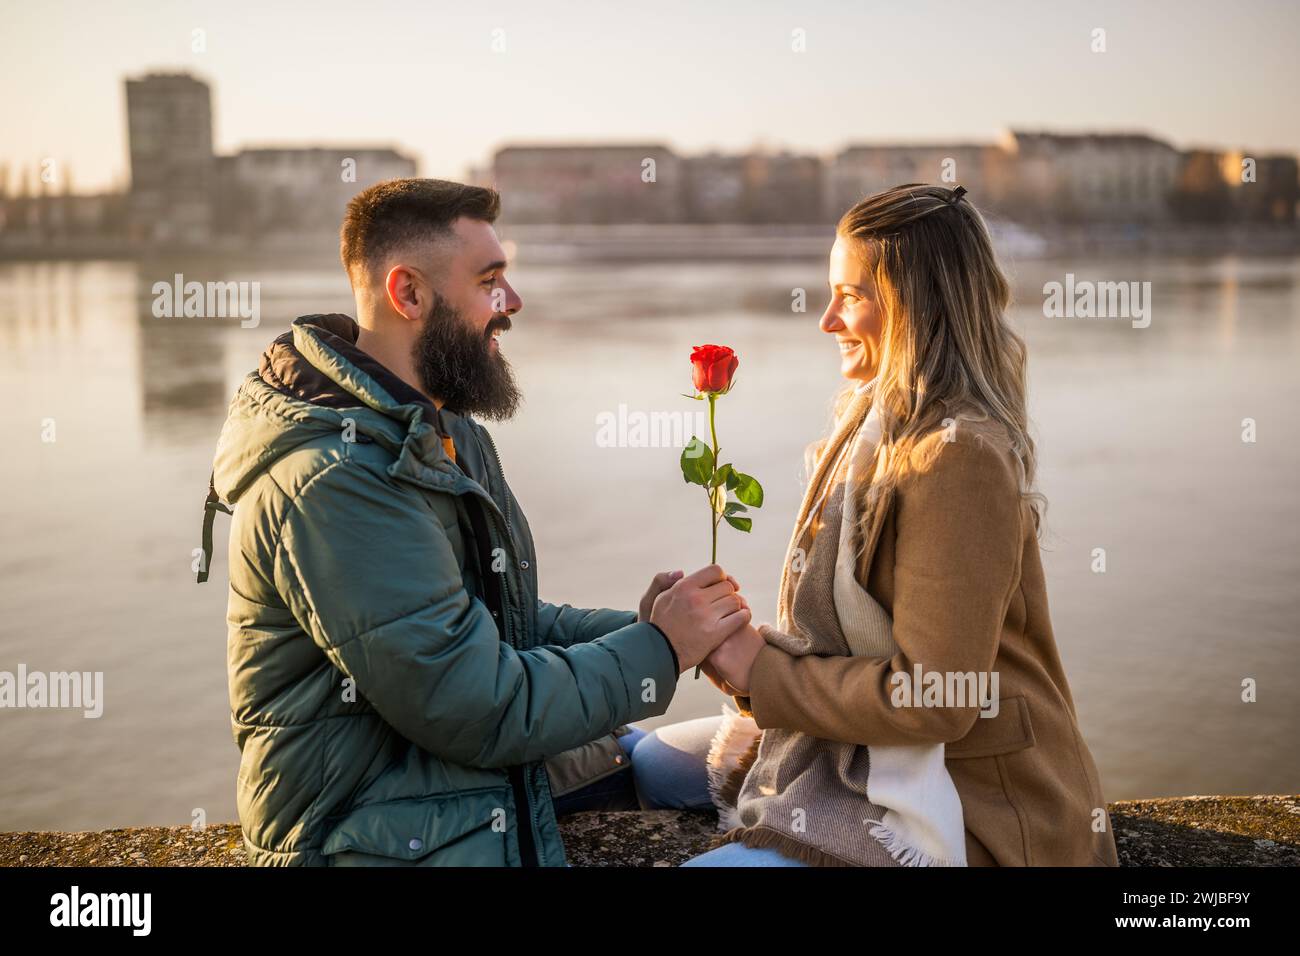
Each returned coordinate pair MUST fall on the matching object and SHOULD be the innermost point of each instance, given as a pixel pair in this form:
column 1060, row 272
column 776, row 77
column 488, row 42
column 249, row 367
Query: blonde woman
column 909, row 706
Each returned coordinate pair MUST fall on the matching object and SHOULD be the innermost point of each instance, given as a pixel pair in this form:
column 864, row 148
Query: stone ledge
column 1172, row 831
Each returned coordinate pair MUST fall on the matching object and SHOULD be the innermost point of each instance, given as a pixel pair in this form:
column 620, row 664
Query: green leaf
column 749, row 490
column 698, row 398
column 697, row 462
column 740, row 524
column 734, row 507
column 723, row 473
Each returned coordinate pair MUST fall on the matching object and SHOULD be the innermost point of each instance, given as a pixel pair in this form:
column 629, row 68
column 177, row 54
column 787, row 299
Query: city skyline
column 1196, row 76
column 25, row 179
column 183, row 191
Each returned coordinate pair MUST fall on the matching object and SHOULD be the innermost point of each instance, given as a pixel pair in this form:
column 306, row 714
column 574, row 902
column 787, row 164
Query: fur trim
column 731, row 753
column 730, row 790
column 902, row 852
column 729, row 818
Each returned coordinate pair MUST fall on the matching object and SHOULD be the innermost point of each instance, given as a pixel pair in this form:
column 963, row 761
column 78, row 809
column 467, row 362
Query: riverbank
column 636, row 243
column 1172, row 831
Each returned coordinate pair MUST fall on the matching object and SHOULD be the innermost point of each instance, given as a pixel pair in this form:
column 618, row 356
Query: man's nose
column 513, row 302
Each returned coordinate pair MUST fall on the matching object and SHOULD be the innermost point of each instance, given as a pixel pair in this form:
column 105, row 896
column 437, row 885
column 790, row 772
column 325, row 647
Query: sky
column 424, row 76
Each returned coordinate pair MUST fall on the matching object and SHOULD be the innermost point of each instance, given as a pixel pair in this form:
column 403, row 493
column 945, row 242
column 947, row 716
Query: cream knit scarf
column 828, row 802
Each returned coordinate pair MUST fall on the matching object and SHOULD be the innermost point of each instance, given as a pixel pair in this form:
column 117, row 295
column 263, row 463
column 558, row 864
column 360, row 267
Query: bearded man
column 399, row 693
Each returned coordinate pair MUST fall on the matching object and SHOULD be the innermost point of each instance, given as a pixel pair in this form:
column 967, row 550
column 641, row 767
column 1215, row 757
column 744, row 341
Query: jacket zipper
column 527, row 846
column 501, row 474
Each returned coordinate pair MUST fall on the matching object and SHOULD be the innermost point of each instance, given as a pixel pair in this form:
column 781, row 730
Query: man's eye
column 490, row 280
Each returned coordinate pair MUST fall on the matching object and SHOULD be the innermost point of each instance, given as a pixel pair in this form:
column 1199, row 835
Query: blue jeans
column 668, row 773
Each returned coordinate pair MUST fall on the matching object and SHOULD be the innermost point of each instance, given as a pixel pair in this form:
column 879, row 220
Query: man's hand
column 658, row 584
column 745, row 604
column 733, row 660
column 698, row 613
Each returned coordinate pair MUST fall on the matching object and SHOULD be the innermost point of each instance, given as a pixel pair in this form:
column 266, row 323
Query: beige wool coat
column 952, row 554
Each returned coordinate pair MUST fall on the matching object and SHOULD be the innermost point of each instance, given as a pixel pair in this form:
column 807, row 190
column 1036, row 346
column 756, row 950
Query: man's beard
column 456, row 363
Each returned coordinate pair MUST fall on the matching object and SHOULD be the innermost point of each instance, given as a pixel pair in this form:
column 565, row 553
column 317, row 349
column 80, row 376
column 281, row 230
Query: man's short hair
column 398, row 213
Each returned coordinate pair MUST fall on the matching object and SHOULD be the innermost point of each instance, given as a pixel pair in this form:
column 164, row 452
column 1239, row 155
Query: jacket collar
column 317, row 361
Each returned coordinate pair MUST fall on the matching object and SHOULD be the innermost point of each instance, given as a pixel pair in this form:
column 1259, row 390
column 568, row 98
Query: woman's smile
column 853, row 315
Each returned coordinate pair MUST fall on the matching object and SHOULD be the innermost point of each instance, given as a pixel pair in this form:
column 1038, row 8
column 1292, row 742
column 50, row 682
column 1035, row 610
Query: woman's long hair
column 947, row 350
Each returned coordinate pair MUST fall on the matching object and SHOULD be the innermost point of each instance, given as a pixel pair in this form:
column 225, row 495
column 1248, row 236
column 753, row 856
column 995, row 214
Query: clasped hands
column 708, row 622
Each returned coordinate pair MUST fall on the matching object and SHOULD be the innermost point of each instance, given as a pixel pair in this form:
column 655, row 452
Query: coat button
column 523, row 565
column 416, row 843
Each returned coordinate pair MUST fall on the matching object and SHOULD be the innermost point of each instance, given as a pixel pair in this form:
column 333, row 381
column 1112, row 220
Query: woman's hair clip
column 956, row 194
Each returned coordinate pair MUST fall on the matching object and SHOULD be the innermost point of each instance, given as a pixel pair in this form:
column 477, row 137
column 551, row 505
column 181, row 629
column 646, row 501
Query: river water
column 1139, row 432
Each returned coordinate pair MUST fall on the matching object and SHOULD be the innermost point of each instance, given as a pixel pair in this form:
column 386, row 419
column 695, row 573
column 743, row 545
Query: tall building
column 169, row 131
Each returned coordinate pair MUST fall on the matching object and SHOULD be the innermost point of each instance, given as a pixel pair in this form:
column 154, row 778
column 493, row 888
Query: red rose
column 712, row 368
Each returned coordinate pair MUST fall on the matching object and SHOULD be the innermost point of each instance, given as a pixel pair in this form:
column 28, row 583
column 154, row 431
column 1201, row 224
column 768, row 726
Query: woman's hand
column 715, row 678
column 733, row 659
column 658, row 584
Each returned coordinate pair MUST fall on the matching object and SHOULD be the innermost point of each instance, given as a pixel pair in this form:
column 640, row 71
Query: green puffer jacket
column 396, row 685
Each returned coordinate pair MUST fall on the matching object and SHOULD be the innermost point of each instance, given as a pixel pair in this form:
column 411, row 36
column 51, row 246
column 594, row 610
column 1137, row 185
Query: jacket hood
column 285, row 366
column 310, row 379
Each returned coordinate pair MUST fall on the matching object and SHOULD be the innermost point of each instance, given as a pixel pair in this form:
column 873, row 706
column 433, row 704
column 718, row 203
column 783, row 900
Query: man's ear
column 404, row 288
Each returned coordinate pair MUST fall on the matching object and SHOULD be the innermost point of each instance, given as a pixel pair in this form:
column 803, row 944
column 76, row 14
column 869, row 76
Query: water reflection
column 1139, row 434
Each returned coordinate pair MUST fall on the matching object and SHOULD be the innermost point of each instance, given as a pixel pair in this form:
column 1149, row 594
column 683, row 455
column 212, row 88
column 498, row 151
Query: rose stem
column 713, row 511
